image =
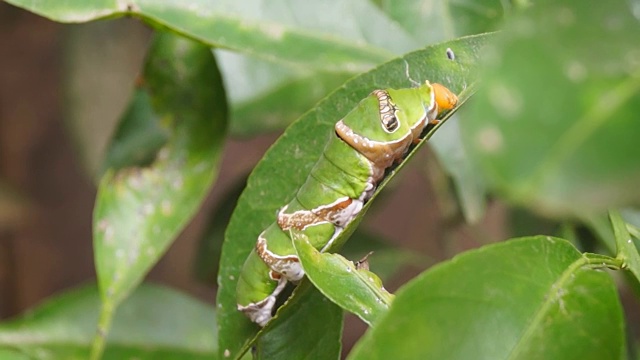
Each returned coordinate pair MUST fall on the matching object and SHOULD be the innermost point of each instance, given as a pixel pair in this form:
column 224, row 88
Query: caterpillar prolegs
column 369, row 139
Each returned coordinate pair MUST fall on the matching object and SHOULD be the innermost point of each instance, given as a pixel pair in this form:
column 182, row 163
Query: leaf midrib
column 550, row 300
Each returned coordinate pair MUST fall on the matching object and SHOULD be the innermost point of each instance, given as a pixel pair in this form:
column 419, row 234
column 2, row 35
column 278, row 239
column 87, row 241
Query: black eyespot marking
column 390, row 122
column 450, row 54
column 387, row 109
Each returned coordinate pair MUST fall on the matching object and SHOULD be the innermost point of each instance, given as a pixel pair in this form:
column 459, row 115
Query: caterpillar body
column 372, row 137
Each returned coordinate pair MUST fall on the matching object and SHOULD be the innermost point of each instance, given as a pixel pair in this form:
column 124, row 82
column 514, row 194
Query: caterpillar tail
column 258, row 288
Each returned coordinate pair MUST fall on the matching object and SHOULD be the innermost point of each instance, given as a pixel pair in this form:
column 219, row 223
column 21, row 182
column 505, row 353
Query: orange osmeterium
column 445, row 99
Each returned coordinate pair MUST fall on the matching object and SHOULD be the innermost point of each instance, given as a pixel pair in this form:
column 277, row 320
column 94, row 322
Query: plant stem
column 104, row 324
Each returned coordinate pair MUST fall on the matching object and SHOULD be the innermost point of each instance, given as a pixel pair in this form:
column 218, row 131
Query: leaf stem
column 104, row 324
column 588, row 260
column 595, row 261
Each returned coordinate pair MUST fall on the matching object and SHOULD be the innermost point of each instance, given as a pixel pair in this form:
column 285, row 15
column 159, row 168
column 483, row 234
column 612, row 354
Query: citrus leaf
column 9, row 354
column 358, row 291
column 155, row 322
column 531, row 298
column 267, row 96
column 561, row 137
column 282, row 31
column 140, row 210
column 439, row 20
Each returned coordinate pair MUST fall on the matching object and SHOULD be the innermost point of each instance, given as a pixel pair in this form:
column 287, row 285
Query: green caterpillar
column 370, row 139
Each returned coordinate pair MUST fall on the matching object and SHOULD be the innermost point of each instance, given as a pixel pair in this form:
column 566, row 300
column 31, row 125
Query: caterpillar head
column 385, row 123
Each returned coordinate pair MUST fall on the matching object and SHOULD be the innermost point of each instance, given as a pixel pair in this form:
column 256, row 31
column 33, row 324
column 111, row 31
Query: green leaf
column 358, row 291
column 626, row 248
column 268, row 96
column 155, row 322
column 561, row 137
column 279, row 106
column 8, row 354
column 139, row 137
column 286, row 165
column 281, row 31
column 139, row 211
column 292, row 337
column 431, row 21
column 532, row 298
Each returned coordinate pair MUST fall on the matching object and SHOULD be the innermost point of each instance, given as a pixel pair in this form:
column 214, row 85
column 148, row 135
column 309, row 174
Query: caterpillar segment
column 369, row 139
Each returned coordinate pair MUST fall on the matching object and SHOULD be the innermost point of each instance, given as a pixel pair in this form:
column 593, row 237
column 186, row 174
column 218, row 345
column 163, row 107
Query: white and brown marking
column 260, row 312
column 286, row 265
column 369, row 189
column 339, row 213
column 381, row 154
column 298, row 220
